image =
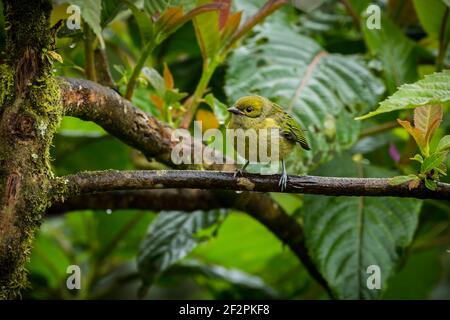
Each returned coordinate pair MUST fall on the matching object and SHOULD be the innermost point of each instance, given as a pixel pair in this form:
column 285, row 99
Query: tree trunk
column 30, row 110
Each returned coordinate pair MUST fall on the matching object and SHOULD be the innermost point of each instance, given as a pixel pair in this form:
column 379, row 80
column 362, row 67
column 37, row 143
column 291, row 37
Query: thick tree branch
column 90, row 101
column 112, row 180
column 156, row 200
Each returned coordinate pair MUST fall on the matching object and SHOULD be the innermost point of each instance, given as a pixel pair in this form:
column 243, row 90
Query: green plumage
column 255, row 112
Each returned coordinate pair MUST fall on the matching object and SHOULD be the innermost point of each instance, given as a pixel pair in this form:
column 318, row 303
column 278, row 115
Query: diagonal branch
column 112, row 180
column 90, row 101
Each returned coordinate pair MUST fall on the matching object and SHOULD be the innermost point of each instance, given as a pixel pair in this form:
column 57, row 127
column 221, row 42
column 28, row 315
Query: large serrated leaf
column 433, row 89
column 91, row 11
column 322, row 91
column 346, row 235
column 171, row 237
column 395, row 50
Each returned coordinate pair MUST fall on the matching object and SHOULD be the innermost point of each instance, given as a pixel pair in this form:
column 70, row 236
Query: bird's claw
column 283, row 181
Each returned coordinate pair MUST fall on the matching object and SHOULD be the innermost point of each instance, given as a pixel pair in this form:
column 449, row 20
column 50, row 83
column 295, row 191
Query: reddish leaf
column 207, row 32
column 157, row 101
column 224, row 13
column 231, row 26
column 173, row 18
column 168, row 78
column 427, row 119
column 269, row 7
column 414, row 132
column 169, row 19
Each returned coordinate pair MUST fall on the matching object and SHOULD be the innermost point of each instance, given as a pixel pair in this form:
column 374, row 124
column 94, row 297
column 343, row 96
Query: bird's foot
column 238, row 172
column 283, row 181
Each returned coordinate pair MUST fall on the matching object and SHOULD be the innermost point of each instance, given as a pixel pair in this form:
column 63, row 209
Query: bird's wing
column 290, row 128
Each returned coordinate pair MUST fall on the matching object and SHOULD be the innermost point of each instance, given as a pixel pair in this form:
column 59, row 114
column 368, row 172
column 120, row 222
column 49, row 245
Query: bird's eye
column 249, row 109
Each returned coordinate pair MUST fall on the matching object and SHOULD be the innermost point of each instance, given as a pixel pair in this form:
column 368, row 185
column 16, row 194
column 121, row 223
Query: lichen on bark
column 30, row 111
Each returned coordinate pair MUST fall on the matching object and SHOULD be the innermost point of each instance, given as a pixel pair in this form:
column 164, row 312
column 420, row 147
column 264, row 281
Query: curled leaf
column 417, row 158
column 402, row 179
column 430, row 184
column 415, row 133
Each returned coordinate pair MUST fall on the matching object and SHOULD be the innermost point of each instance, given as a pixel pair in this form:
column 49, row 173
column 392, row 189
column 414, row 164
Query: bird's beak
column 235, row 110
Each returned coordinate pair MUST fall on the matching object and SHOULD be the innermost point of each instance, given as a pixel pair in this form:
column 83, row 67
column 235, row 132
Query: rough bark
column 90, row 101
column 111, row 180
column 30, row 109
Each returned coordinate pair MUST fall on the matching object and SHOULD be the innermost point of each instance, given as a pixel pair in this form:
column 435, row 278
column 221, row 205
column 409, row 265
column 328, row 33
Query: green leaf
column 49, row 259
column 431, row 15
column 407, row 285
column 359, row 6
column 346, row 235
column 172, row 236
column 417, row 158
column 219, row 108
column 402, row 179
column 433, row 89
column 118, row 234
column 110, row 9
column 155, row 79
column 430, row 184
column 236, row 277
column 322, row 91
column 207, row 32
column 153, row 7
column 91, row 11
column 433, row 161
column 444, row 144
column 395, row 50
column 143, row 21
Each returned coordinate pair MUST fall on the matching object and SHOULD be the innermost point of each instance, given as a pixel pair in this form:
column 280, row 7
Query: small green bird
column 256, row 112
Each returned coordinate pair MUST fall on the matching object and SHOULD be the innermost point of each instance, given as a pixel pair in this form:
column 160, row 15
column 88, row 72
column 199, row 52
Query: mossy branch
column 113, row 180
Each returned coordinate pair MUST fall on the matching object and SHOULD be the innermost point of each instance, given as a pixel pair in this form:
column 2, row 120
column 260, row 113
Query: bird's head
column 249, row 106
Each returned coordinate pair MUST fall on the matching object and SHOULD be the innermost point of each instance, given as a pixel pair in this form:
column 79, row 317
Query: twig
column 352, row 13
column 442, row 42
column 112, row 180
column 378, row 129
column 89, row 67
column 102, row 70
